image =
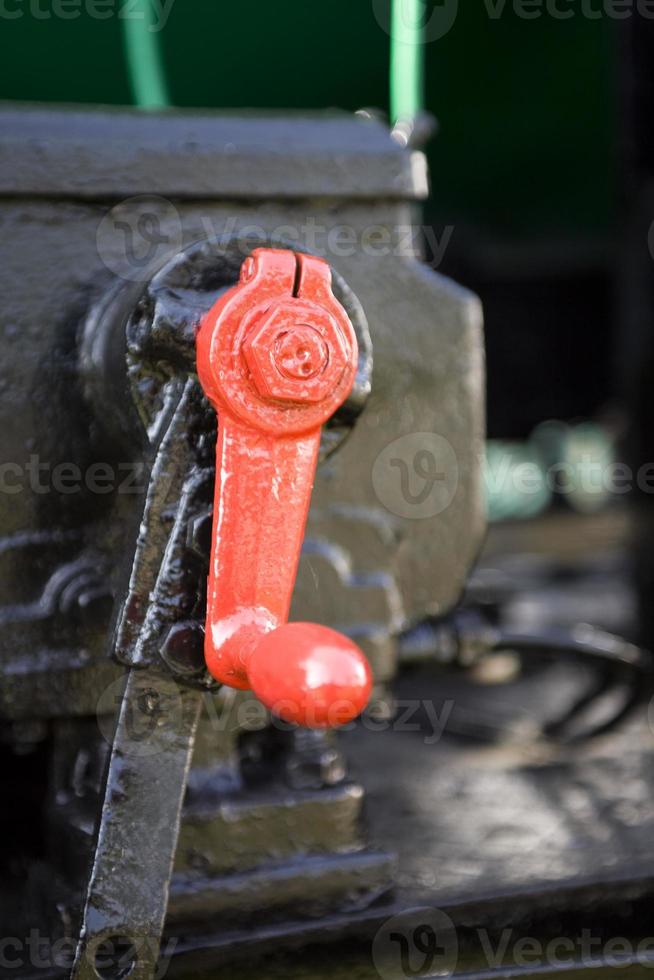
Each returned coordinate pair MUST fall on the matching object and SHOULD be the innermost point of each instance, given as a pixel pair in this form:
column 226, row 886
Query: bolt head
column 198, row 537
column 300, row 354
column 183, row 648
column 296, row 353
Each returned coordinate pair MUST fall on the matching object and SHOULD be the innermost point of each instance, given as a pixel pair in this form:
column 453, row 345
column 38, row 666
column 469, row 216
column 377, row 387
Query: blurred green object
column 407, row 59
column 516, row 481
column 589, row 475
column 578, row 463
column 148, row 77
column 144, row 59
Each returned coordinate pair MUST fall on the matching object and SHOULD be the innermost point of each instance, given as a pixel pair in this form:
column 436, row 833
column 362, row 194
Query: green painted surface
column 144, row 57
column 525, row 106
column 407, row 61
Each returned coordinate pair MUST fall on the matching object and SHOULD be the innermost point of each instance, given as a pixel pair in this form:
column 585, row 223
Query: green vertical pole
column 407, row 59
column 143, row 54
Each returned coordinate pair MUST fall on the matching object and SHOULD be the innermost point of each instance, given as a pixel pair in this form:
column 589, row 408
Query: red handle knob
column 276, row 356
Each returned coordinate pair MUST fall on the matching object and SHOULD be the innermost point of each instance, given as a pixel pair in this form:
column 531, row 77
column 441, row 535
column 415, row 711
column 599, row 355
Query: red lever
column 276, row 356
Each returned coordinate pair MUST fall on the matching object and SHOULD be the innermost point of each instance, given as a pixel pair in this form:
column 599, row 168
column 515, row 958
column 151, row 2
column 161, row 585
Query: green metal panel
column 524, row 105
column 527, row 120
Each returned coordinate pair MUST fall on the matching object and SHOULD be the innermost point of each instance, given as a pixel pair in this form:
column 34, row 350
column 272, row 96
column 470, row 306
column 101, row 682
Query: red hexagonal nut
column 296, row 352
